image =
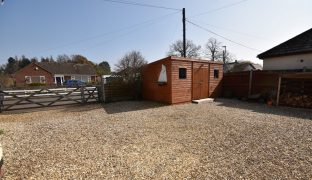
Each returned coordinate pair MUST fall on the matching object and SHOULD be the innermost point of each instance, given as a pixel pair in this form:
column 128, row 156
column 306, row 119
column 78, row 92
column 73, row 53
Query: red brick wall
column 30, row 70
column 151, row 90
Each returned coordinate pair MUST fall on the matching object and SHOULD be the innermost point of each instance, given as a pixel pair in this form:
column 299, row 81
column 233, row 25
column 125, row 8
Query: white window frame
column 44, row 79
column 29, row 79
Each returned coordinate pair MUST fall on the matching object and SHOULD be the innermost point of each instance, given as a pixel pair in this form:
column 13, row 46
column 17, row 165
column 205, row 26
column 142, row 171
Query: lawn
column 227, row 139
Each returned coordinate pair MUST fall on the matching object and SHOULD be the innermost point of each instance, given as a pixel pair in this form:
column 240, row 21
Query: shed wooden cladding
column 198, row 83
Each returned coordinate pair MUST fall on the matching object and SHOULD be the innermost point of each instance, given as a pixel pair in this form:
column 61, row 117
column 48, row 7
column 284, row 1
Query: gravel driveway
column 145, row 140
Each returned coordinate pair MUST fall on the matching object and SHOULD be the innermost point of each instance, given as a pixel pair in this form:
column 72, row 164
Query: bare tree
column 213, row 49
column 63, row 58
column 129, row 66
column 228, row 57
column 192, row 50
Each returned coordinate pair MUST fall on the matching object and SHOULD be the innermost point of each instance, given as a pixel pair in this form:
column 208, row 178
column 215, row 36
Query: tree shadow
column 128, row 106
column 263, row 108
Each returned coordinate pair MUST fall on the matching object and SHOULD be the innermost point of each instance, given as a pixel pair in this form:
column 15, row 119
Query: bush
column 6, row 81
column 36, row 84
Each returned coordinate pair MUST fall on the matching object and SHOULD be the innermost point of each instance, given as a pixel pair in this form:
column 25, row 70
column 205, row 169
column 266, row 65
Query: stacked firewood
column 296, row 100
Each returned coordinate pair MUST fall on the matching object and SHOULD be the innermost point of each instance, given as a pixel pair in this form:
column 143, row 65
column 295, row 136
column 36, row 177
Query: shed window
column 216, row 73
column 182, row 73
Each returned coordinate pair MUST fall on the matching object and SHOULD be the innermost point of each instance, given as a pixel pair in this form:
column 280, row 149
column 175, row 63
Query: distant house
column 294, row 54
column 241, row 66
column 54, row 73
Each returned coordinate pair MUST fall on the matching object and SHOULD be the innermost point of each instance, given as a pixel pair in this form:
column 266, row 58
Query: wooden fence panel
column 295, row 89
column 116, row 89
column 264, row 82
column 236, row 84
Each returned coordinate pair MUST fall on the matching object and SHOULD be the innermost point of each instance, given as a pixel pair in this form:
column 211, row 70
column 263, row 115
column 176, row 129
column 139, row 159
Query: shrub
column 36, row 84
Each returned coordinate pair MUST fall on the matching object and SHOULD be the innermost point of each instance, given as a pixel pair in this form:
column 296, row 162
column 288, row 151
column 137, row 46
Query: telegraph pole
column 184, row 32
column 224, row 54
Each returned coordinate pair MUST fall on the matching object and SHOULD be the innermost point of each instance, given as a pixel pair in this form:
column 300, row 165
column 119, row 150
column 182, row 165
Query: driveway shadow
column 127, row 106
column 110, row 108
column 263, row 108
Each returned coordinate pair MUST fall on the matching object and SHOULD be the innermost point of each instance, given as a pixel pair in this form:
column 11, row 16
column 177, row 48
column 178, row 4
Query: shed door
column 200, row 80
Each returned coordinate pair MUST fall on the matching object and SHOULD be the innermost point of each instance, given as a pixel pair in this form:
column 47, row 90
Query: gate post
column 1, row 101
column 83, row 99
column 101, row 90
column 103, row 81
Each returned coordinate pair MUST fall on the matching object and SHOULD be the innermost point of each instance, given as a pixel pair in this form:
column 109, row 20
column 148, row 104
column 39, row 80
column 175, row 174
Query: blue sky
column 103, row 30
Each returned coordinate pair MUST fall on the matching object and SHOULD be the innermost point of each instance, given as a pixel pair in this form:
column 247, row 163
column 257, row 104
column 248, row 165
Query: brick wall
column 31, row 70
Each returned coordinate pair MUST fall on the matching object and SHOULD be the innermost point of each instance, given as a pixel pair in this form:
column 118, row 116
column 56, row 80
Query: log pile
column 296, row 100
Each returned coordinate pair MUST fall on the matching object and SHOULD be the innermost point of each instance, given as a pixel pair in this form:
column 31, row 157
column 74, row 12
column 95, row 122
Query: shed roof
column 67, row 68
column 188, row 59
column 301, row 43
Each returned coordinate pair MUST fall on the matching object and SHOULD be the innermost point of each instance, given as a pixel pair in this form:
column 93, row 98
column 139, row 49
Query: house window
column 27, row 79
column 35, row 79
column 77, row 77
column 84, row 78
column 42, row 79
column 216, row 73
column 182, row 73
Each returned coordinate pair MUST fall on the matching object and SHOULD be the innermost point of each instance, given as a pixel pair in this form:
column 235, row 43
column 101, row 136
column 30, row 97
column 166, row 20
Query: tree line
column 129, row 65
column 212, row 50
column 16, row 63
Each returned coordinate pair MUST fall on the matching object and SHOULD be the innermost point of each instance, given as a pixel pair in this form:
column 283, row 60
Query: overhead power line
column 127, row 28
column 240, row 44
column 142, row 4
column 220, row 8
column 231, row 30
column 146, row 25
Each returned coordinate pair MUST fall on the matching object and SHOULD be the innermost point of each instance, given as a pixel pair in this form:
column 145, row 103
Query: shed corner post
column 192, row 81
column 278, row 90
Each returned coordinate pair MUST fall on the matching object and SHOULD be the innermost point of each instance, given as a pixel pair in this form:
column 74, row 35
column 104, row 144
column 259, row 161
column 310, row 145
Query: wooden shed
column 175, row 80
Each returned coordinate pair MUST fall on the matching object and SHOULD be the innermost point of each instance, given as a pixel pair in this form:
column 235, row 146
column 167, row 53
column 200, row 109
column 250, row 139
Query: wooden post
column 103, row 89
column 184, row 33
column 83, row 99
column 250, row 83
column 1, row 101
column 278, row 90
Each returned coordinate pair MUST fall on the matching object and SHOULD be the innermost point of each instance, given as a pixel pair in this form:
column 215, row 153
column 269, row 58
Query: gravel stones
column 227, row 139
